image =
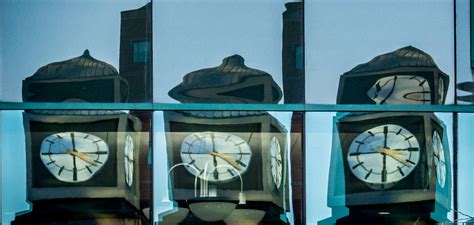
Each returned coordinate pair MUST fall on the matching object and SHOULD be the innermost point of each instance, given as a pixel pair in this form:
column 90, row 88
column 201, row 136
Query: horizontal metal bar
column 237, row 107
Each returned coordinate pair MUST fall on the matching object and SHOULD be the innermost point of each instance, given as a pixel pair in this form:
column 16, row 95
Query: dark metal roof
column 78, row 112
column 223, row 114
column 404, row 57
column 232, row 71
column 84, row 66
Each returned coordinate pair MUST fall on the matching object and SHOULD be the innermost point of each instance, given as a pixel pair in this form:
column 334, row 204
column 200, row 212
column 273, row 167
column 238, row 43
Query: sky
column 38, row 32
column 340, row 34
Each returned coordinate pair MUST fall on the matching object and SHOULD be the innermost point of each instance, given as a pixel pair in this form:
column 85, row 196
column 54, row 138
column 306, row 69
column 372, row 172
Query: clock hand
column 74, row 157
column 395, row 151
column 82, row 156
column 226, row 158
column 393, row 155
column 213, row 150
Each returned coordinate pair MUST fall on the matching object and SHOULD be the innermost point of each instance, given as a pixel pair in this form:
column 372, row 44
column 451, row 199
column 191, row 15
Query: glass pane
column 464, row 60
column 379, row 52
column 88, row 163
column 228, row 52
column 223, row 167
column 74, row 51
column 465, row 168
column 378, row 168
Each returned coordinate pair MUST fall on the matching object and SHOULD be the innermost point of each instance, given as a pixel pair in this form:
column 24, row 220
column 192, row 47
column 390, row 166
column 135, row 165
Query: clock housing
column 111, row 127
column 418, row 186
column 255, row 128
column 405, row 76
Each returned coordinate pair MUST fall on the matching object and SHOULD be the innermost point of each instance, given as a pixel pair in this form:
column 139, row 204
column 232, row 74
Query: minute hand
column 394, row 154
column 226, row 158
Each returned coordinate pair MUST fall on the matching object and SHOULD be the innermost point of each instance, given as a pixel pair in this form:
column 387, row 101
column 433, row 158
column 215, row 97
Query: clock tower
column 227, row 166
column 395, row 165
column 82, row 165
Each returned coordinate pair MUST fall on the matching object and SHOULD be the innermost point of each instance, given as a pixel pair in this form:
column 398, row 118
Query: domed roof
column 84, row 66
column 231, row 82
column 404, row 57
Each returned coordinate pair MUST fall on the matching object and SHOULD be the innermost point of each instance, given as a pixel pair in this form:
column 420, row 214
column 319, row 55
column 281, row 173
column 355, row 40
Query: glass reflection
column 91, row 163
column 186, row 41
column 49, row 36
column 405, row 76
column 390, row 168
column 223, row 165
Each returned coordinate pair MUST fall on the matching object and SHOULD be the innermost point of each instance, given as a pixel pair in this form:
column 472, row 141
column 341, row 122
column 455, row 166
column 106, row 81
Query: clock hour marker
column 410, row 161
column 408, row 138
column 359, row 142
column 74, row 174
column 97, row 161
column 230, row 171
column 357, row 165
column 89, row 169
column 197, row 137
column 240, row 163
column 50, row 162
column 192, row 161
column 98, row 153
column 97, row 141
column 216, row 174
column 59, row 136
column 354, row 153
column 241, row 143
column 60, row 170
column 423, row 82
column 85, row 137
column 52, row 142
column 400, row 170
column 202, row 171
column 371, row 134
column 188, row 144
column 384, row 175
column 227, row 138
column 368, row 174
column 399, row 131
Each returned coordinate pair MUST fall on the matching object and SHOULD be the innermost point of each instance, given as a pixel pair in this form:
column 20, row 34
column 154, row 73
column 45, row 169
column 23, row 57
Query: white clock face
column 439, row 159
column 401, row 89
column 128, row 159
column 383, row 155
column 440, row 90
column 73, row 156
column 276, row 162
column 217, row 156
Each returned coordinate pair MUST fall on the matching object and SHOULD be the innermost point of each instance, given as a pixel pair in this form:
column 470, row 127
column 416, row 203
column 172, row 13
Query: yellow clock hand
column 393, row 154
column 81, row 156
column 227, row 159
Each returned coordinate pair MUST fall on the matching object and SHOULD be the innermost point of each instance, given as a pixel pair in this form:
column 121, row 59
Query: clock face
column 73, row 156
column 401, row 89
column 383, row 155
column 439, row 159
column 216, row 156
column 440, row 90
column 128, row 159
column 276, row 162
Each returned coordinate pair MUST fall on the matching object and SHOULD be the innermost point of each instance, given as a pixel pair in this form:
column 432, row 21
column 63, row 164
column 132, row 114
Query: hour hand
column 82, row 156
column 227, row 159
column 394, row 154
